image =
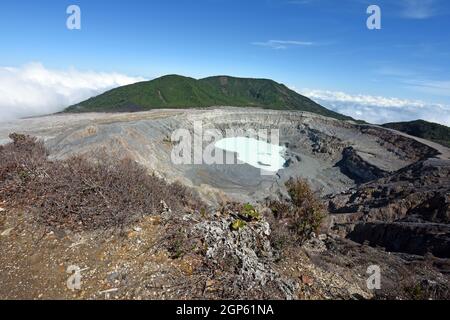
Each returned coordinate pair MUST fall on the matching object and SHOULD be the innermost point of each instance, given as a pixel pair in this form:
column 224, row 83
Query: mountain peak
column 177, row 91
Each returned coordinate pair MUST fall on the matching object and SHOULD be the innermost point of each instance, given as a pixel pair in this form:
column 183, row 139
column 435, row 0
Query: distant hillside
column 423, row 129
column 175, row 91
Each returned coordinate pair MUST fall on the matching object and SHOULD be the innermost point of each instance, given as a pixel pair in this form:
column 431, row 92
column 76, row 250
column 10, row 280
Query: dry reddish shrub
column 293, row 223
column 81, row 194
column 20, row 162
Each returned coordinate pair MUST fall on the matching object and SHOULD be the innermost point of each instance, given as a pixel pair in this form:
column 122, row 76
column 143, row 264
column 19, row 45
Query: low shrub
column 294, row 222
column 81, row 194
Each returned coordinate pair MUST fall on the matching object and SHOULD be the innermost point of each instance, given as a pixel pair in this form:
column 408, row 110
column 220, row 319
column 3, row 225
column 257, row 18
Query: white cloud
column 33, row 90
column 377, row 109
column 283, row 44
column 419, row 9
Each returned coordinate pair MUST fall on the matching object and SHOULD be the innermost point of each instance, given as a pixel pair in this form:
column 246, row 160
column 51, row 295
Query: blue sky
column 321, row 48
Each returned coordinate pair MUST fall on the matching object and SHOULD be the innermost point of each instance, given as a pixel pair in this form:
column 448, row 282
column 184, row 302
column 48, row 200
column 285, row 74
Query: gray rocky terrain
column 382, row 188
column 332, row 154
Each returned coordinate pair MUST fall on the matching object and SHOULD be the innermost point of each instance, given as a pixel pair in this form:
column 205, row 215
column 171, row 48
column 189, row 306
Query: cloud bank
column 33, row 90
column 283, row 44
column 379, row 110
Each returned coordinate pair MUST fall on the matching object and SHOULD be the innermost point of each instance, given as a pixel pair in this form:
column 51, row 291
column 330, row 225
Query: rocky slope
column 387, row 196
column 408, row 211
column 423, row 129
column 317, row 147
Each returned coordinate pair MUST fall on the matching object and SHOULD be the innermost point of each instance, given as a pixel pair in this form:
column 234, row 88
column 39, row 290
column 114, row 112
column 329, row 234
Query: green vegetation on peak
column 174, row 91
column 423, row 129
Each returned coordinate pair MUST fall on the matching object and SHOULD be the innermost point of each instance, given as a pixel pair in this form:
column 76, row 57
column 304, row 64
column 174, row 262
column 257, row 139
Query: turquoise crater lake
column 257, row 153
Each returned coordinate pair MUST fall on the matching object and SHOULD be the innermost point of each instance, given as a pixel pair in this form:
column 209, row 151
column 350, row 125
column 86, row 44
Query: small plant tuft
column 238, row 224
column 249, row 213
